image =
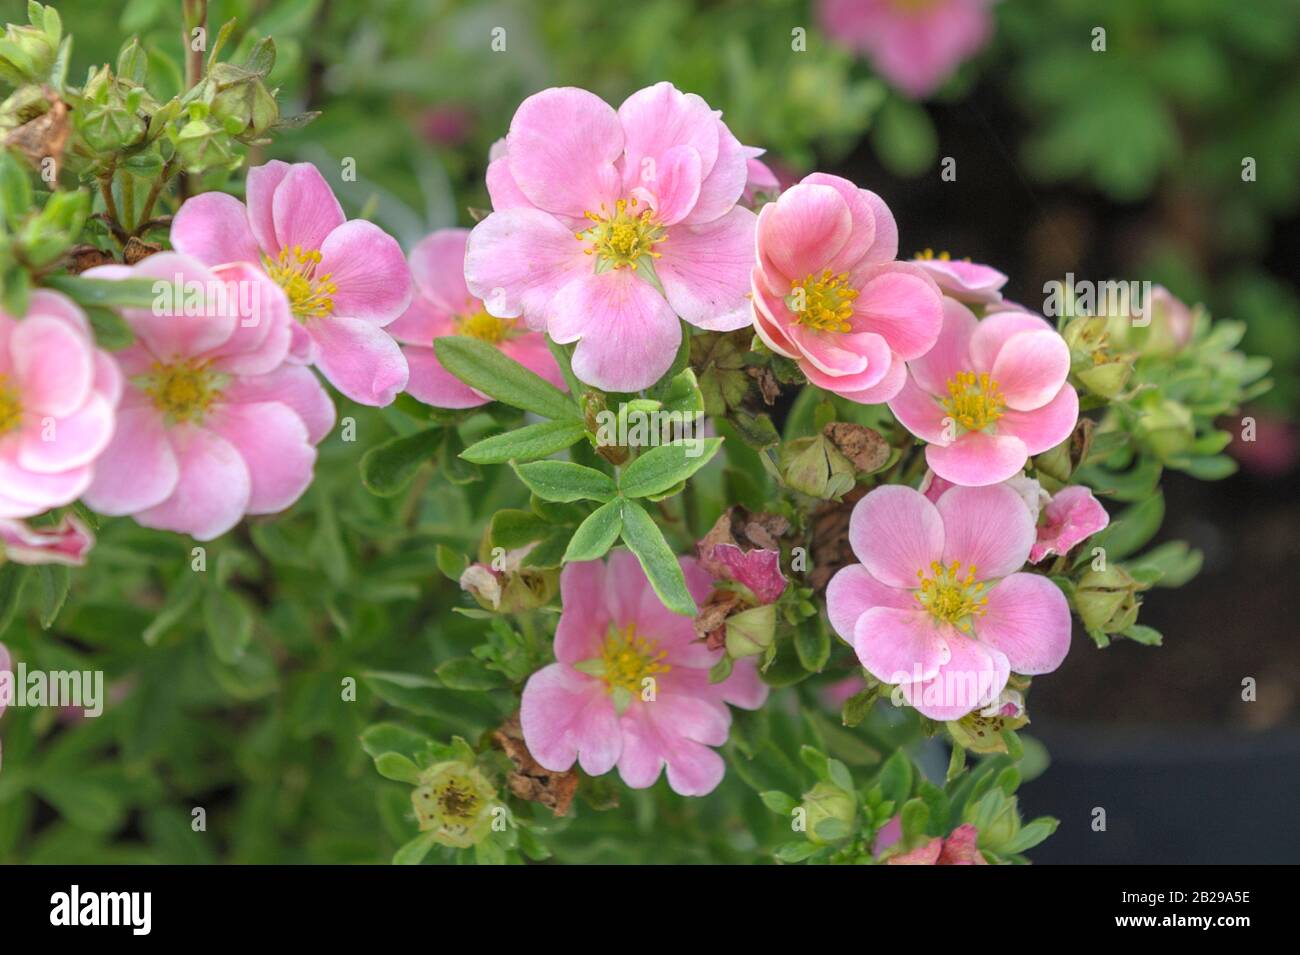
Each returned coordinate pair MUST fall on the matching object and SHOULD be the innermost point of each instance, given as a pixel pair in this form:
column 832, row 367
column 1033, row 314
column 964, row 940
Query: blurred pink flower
column 447, row 125
column 630, row 687
column 938, row 606
column 828, row 294
column 58, row 393
column 444, row 306
column 345, row 279
column 608, row 226
column 214, row 424
column 1274, row 448
column 914, row 44
column 988, row 395
column 67, row 542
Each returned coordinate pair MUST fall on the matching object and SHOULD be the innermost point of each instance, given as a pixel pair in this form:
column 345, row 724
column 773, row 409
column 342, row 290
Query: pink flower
column 443, row 306
column 759, row 177
column 57, row 398
column 631, row 686
column 609, row 225
column 988, row 395
column 958, row 848
column 68, row 542
column 914, row 44
column 346, row 279
column 828, row 293
column 937, row 606
column 214, row 423
column 1073, row 515
column 965, row 281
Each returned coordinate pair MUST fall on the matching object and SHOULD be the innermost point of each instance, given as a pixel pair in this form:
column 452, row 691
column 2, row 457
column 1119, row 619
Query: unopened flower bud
column 828, row 802
column 752, row 631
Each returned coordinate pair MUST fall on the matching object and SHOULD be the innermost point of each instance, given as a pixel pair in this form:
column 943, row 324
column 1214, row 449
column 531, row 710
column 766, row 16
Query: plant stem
column 128, row 199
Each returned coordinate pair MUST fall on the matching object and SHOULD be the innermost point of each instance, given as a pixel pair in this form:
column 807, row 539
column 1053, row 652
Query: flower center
column 310, row 295
column 823, row 302
column 949, row 596
column 974, row 401
column 183, row 391
column 624, row 237
column 630, row 659
column 485, row 327
column 457, row 799
column 11, row 409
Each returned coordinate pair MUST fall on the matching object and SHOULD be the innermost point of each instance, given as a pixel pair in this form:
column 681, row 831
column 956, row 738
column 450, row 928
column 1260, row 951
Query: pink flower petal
column 530, row 350
column 1030, row 369
column 863, row 233
column 304, row 209
column 517, row 262
column 1028, row 619
column 627, row 334
column 995, row 331
column 658, row 119
column 1046, row 427
column 986, row 527
column 359, row 359
column 896, row 532
column 211, row 494
column 213, row 228
column 262, row 183
column 292, row 385
column 673, row 187
column 562, row 146
column 900, row 646
column 274, row 444
column 901, row 304
column 966, row 281
column 802, row 231
column 853, row 591
column 567, row 716
column 586, row 614
column 693, row 768
column 724, row 184
column 705, row 270
column 53, row 366
column 971, row 679
column 1072, row 516
column 139, row 467
column 920, row 412
column 976, row 459
column 438, row 268
column 69, row 442
column 886, row 389
column 744, row 687
column 502, row 188
column 370, row 273
column 263, row 329
column 951, row 351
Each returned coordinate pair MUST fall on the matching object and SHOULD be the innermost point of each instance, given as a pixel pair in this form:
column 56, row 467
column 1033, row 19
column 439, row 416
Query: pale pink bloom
column 345, row 278
column 1030, row 491
column 988, row 395
column 1071, row 516
column 759, row 176
column 444, row 306
column 1172, row 317
column 609, row 225
column 630, row 687
column 828, row 294
column 958, row 848
column 914, row 44
column 67, row 542
column 57, row 398
column 937, row 606
column 214, row 423
column 965, row 281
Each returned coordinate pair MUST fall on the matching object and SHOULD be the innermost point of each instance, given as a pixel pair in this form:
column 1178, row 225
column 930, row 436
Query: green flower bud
column 29, row 51
column 1107, row 599
column 240, row 101
column 109, row 117
column 200, row 145
column 751, row 632
column 828, row 803
column 1167, row 429
column 815, row 467
column 456, row 802
column 997, row 818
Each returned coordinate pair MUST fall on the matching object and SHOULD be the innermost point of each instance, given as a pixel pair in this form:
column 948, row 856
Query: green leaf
column 779, row 802
column 388, row 468
column 1031, row 835
column 1131, row 530
column 12, row 578
column 661, row 468
column 896, row 777
column 229, row 624
column 398, row 768
column 797, row 851
column 485, row 368
column 597, row 534
column 813, row 645
column 525, row 444
column 1143, row 634
column 513, row 528
column 110, row 293
column 391, row 738
column 413, row 852
column 468, row 673
column 55, row 579
column 565, row 481
column 644, row 539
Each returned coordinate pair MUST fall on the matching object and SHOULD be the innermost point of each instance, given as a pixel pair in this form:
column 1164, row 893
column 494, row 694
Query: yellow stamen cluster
column 457, row 799
column 485, row 327
column 183, row 391
column 11, row 408
column 624, row 237
column 950, row 596
column 823, row 302
column 974, row 401
column 310, row 295
column 929, row 255
column 629, row 659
